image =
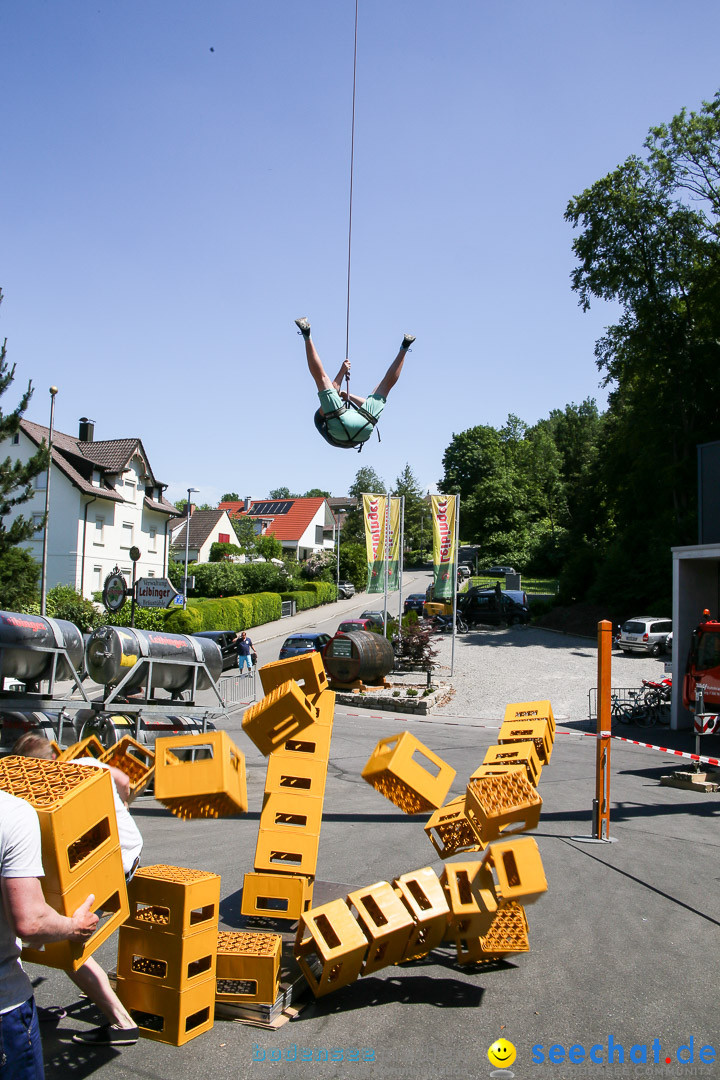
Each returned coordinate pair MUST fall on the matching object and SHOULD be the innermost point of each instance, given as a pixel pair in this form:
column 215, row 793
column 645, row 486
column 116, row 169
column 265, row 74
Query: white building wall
column 105, row 541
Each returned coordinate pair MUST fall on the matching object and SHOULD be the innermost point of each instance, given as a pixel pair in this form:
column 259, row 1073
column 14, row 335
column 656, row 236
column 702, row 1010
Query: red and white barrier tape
column 662, row 749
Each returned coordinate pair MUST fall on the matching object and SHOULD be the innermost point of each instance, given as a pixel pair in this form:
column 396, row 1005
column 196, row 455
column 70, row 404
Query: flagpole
column 454, row 582
column 400, row 566
column 387, row 554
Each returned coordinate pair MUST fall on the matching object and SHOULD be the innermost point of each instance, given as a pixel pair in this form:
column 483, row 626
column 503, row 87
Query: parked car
column 645, row 634
column 499, row 570
column 297, row 644
column 346, row 589
column 349, row 625
column 375, row 617
column 414, row 602
column 228, row 645
column 481, row 606
column 464, row 571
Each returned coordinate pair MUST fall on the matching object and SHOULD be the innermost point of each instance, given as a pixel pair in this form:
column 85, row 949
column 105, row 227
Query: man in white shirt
column 25, row 915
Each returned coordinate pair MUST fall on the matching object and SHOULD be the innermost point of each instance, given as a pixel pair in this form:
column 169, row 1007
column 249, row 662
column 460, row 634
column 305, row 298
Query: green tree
column 366, row 481
column 245, row 532
column 407, row 485
column 269, row 547
column 230, row 496
column 642, row 245
column 316, row 493
column 19, row 577
column 282, row 493
column 16, row 477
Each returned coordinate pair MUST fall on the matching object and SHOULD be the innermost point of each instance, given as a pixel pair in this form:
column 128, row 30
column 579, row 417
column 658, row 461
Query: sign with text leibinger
column 154, row 592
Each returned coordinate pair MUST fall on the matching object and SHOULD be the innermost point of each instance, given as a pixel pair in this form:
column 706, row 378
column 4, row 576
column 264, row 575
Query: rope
column 352, row 162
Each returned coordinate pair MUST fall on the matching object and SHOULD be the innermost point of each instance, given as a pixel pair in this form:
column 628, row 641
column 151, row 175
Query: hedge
column 226, row 613
column 325, row 591
column 303, row 599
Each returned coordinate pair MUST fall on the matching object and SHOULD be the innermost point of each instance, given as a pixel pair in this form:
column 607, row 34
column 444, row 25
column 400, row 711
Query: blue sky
column 175, row 192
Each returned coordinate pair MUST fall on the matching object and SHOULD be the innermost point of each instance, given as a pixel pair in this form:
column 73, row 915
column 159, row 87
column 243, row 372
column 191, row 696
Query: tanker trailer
column 29, row 645
column 34, row 648
column 151, row 660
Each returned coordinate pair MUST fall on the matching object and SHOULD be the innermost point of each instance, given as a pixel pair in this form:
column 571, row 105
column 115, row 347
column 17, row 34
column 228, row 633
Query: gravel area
column 494, row 667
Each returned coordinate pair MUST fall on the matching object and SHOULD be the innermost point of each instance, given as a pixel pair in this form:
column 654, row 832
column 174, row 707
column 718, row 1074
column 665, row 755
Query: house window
column 16, row 438
column 126, row 536
column 97, row 578
column 151, row 573
column 99, row 537
column 152, row 539
column 41, row 481
column 96, row 478
column 223, row 538
column 318, row 534
column 38, row 525
column 130, row 490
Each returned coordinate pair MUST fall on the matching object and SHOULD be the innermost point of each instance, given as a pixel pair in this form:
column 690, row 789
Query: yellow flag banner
column 394, row 563
column 374, row 516
column 444, row 548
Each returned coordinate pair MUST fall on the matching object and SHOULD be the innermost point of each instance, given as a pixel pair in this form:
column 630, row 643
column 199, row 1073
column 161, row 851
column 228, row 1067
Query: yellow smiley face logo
column 502, row 1053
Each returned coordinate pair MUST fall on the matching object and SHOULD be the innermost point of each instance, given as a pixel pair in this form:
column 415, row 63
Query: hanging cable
column 352, row 162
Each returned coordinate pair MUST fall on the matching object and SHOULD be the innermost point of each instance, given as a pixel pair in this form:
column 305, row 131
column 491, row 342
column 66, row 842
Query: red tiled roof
column 289, row 526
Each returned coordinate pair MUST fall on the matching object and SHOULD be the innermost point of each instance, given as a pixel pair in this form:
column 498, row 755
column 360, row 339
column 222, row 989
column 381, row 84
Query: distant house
column 207, row 527
column 104, row 500
column 303, row 526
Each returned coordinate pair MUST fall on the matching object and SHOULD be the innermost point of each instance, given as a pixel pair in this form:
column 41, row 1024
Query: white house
column 303, row 526
column 104, row 500
column 207, row 527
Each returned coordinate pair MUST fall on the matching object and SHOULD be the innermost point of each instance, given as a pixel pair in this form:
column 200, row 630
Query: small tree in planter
column 414, row 648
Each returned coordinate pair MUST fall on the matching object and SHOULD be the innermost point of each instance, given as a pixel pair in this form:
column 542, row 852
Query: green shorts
column 352, row 425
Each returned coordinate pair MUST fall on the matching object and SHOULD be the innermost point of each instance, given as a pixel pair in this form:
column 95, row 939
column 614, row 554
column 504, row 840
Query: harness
column 321, row 423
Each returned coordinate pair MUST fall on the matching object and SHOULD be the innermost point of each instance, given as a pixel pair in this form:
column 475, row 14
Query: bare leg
column 93, row 981
column 392, row 375
column 322, row 380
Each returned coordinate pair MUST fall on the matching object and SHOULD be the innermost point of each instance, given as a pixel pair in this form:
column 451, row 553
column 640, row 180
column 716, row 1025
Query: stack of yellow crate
column 167, row 952
column 80, row 847
column 292, row 725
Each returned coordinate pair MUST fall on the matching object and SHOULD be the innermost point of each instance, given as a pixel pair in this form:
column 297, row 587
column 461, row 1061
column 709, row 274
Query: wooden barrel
column 359, row 655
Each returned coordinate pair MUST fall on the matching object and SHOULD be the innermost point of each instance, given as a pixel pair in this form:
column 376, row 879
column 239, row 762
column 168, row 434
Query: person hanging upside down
column 343, row 419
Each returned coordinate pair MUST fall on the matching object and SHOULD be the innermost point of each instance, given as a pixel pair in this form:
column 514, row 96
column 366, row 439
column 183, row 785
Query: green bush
column 145, row 618
column 324, row 590
column 64, row 602
column 303, row 599
column 267, row 606
column 219, row 551
column 187, row 621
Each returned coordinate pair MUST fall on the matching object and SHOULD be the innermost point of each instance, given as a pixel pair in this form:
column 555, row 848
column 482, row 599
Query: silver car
column 645, row 634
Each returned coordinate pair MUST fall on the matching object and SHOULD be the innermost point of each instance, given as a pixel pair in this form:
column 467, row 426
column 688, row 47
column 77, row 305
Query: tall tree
column 408, row 486
column 282, row 493
column 230, row 496
column 366, row 481
column 316, row 493
column 642, row 245
column 16, row 477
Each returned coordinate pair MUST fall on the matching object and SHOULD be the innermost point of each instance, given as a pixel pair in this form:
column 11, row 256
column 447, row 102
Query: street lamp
column 190, row 491
column 43, row 585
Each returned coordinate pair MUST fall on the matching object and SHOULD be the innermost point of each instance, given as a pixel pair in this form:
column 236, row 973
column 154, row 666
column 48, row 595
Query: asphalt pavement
column 623, row 946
